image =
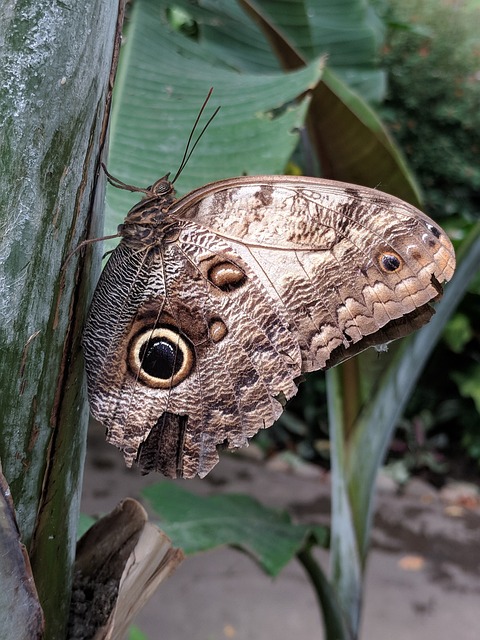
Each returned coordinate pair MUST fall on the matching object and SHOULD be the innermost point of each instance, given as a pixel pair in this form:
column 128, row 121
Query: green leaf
column 468, row 383
column 155, row 107
column 347, row 31
column 198, row 524
column 84, row 523
column 458, row 332
column 134, row 633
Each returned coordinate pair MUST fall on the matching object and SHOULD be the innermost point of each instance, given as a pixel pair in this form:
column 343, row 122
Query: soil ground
column 423, row 574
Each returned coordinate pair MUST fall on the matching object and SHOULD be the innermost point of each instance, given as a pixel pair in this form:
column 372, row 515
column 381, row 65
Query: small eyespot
column 161, row 357
column 217, row 329
column 390, row 261
column 130, row 451
column 433, row 229
column 226, row 276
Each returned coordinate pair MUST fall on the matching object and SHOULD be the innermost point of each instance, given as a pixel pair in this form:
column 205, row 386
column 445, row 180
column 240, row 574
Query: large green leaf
column 165, row 76
column 198, row 524
column 156, row 105
column 348, row 32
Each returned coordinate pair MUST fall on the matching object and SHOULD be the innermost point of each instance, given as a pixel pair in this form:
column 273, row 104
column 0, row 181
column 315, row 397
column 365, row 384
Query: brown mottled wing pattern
column 195, row 341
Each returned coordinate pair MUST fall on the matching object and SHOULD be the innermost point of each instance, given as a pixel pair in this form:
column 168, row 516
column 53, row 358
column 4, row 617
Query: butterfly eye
column 161, row 358
column 390, row 261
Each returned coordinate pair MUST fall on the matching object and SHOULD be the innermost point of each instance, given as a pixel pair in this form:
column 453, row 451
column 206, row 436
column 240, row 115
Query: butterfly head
column 144, row 224
column 160, row 188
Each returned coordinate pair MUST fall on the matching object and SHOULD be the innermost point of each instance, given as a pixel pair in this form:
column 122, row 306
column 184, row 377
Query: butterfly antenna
column 188, row 151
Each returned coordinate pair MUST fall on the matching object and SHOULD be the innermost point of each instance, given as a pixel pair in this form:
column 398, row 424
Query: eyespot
column 389, row 261
column 161, row 357
column 434, row 230
column 226, row 275
column 217, row 329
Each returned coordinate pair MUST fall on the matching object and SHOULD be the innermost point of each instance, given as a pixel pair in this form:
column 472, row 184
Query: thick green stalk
column 55, row 66
column 333, row 619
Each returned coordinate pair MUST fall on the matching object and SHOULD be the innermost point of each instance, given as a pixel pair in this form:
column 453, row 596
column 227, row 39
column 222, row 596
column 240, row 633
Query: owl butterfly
column 213, row 306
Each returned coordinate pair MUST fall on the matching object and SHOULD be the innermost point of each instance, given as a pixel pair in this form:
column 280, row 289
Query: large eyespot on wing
column 161, row 357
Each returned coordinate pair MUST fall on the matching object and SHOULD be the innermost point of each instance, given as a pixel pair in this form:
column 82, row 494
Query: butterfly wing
column 344, row 261
column 192, row 350
column 197, row 341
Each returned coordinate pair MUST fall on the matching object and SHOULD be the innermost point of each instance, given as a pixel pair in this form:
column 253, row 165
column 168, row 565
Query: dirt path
column 423, row 578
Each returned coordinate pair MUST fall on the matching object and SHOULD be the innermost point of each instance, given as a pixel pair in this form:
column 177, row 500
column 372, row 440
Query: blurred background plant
column 431, row 56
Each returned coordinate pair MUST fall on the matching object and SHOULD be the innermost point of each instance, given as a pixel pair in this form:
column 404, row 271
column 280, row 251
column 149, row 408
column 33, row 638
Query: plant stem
column 333, row 621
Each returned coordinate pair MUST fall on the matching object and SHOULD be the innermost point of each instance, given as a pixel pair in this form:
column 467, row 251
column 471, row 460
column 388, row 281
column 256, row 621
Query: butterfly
column 213, row 305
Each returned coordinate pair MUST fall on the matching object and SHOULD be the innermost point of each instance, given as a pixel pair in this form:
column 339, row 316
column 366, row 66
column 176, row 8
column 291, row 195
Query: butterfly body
column 213, row 305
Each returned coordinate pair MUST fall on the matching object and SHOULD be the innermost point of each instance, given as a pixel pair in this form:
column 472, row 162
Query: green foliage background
column 432, row 59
